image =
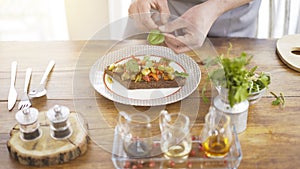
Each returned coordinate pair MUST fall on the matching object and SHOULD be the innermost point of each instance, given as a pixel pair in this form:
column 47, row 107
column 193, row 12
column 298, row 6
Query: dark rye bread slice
column 129, row 84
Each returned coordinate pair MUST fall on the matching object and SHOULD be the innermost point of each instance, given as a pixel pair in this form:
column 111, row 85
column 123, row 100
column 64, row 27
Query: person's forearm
column 219, row 7
column 225, row 5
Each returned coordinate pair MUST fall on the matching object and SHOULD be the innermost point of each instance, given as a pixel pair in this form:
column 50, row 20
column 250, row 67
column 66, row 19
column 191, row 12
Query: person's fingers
column 147, row 21
column 184, row 43
column 156, row 18
column 171, row 39
column 145, row 16
column 164, row 11
column 172, row 26
column 135, row 16
column 190, row 39
column 177, row 40
column 182, row 49
column 134, row 20
column 132, row 9
column 178, row 49
column 172, row 42
column 140, row 12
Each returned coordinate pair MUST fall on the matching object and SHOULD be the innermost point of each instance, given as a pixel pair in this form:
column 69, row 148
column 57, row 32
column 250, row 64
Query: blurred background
column 47, row 20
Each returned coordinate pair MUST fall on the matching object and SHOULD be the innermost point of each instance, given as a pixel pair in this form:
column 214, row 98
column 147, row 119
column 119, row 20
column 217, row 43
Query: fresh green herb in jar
column 234, row 76
column 155, row 37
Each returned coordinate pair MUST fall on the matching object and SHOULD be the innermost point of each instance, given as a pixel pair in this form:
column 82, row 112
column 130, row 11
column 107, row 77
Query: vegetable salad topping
column 137, row 70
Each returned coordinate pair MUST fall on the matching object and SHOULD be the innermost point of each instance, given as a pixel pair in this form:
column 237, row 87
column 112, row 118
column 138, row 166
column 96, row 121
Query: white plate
column 145, row 97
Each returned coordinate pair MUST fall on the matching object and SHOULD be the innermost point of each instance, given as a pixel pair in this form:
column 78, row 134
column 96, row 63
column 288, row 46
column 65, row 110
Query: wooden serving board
column 288, row 49
column 45, row 150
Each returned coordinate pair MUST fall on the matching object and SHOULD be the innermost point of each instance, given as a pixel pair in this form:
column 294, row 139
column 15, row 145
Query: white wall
column 86, row 17
column 32, row 20
column 118, row 9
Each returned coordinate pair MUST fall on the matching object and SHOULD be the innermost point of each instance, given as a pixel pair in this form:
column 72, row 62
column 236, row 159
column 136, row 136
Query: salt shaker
column 59, row 125
column 29, row 125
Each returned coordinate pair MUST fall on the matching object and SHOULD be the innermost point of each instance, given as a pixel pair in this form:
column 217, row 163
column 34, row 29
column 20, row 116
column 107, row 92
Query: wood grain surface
column 271, row 140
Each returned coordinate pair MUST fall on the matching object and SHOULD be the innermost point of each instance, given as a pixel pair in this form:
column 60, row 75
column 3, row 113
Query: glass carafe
column 216, row 135
column 135, row 130
column 176, row 141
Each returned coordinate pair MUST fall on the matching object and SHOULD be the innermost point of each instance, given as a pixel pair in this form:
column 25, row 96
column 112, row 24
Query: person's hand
column 194, row 23
column 140, row 10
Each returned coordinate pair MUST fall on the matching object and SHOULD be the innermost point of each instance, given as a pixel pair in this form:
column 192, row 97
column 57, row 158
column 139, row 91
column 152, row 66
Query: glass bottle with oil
column 216, row 135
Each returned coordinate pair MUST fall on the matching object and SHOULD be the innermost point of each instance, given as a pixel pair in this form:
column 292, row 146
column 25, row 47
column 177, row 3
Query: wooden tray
column 46, row 150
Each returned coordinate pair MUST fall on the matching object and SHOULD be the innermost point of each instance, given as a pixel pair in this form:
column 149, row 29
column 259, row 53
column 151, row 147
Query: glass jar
column 238, row 112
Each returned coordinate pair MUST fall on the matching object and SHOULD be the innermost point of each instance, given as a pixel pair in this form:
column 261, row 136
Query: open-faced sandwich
column 146, row 73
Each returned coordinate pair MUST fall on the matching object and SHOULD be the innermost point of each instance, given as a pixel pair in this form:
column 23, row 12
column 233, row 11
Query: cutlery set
column 39, row 91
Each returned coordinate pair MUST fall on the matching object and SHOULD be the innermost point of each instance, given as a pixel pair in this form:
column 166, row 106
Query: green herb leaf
column 279, row 100
column 164, row 61
column 218, row 77
column 132, row 66
column 155, row 37
column 276, row 102
column 258, row 81
column 181, row 74
column 251, row 72
column 264, row 79
column 146, row 58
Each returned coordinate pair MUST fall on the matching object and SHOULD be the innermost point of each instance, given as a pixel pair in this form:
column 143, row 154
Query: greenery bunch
column 236, row 78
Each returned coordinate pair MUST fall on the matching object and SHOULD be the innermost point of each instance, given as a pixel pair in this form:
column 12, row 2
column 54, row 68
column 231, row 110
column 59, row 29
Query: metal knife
column 12, row 96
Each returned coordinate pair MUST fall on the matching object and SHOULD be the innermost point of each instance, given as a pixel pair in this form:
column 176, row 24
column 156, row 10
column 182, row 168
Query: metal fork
column 25, row 101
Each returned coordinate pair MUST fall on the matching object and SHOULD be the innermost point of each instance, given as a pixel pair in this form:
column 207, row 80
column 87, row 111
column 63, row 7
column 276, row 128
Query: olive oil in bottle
column 216, row 146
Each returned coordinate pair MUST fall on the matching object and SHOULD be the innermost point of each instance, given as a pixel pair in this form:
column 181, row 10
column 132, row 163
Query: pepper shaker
column 59, row 125
column 29, row 125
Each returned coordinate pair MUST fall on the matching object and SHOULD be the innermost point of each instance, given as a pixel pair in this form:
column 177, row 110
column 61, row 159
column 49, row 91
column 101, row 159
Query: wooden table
column 272, row 138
